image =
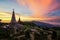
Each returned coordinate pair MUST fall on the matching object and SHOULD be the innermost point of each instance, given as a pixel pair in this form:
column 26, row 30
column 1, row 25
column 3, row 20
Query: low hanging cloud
column 55, row 20
column 55, row 12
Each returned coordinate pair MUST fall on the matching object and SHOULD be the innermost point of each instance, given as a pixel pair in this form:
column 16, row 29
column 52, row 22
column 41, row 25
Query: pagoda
column 13, row 22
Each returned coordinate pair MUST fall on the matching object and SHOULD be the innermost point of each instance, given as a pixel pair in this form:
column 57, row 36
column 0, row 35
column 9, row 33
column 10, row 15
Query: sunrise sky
column 29, row 10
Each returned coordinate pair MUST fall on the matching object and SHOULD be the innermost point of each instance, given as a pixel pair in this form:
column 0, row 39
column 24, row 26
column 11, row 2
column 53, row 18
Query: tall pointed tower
column 13, row 23
column 13, row 20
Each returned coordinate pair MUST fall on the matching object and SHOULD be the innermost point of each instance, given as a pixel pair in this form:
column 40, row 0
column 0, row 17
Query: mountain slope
column 42, row 24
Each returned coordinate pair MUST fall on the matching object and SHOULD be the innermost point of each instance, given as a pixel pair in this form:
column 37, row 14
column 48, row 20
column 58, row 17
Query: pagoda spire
column 19, row 20
column 13, row 20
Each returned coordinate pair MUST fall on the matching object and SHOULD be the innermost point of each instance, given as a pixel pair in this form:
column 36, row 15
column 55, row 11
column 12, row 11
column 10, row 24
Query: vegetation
column 29, row 32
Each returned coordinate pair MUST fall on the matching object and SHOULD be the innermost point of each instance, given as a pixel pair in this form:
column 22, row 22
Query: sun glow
column 6, row 17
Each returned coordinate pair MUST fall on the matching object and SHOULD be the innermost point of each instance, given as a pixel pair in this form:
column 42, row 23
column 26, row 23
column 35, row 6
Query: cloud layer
column 42, row 8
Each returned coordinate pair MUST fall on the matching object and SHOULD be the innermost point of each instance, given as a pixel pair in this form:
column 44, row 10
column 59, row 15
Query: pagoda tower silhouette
column 13, row 20
column 19, row 21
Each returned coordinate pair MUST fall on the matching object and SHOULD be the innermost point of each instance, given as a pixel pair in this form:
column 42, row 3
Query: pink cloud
column 39, row 7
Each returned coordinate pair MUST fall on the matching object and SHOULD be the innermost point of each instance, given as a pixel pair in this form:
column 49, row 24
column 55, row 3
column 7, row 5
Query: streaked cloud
column 6, row 17
column 39, row 7
column 43, row 9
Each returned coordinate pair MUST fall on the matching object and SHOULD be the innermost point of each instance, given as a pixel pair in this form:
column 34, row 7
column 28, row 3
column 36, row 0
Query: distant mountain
column 42, row 24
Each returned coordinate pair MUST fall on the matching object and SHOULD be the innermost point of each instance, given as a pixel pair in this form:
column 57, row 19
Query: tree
column 0, row 20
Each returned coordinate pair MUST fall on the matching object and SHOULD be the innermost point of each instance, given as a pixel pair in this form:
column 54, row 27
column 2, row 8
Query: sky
column 29, row 10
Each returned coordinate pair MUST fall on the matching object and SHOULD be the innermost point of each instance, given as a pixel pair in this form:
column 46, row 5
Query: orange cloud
column 6, row 17
column 39, row 7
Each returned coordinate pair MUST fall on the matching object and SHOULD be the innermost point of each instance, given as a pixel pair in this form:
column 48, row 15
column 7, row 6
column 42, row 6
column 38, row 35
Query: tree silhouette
column 0, row 20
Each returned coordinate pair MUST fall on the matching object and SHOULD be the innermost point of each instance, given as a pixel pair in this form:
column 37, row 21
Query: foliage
column 24, row 32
